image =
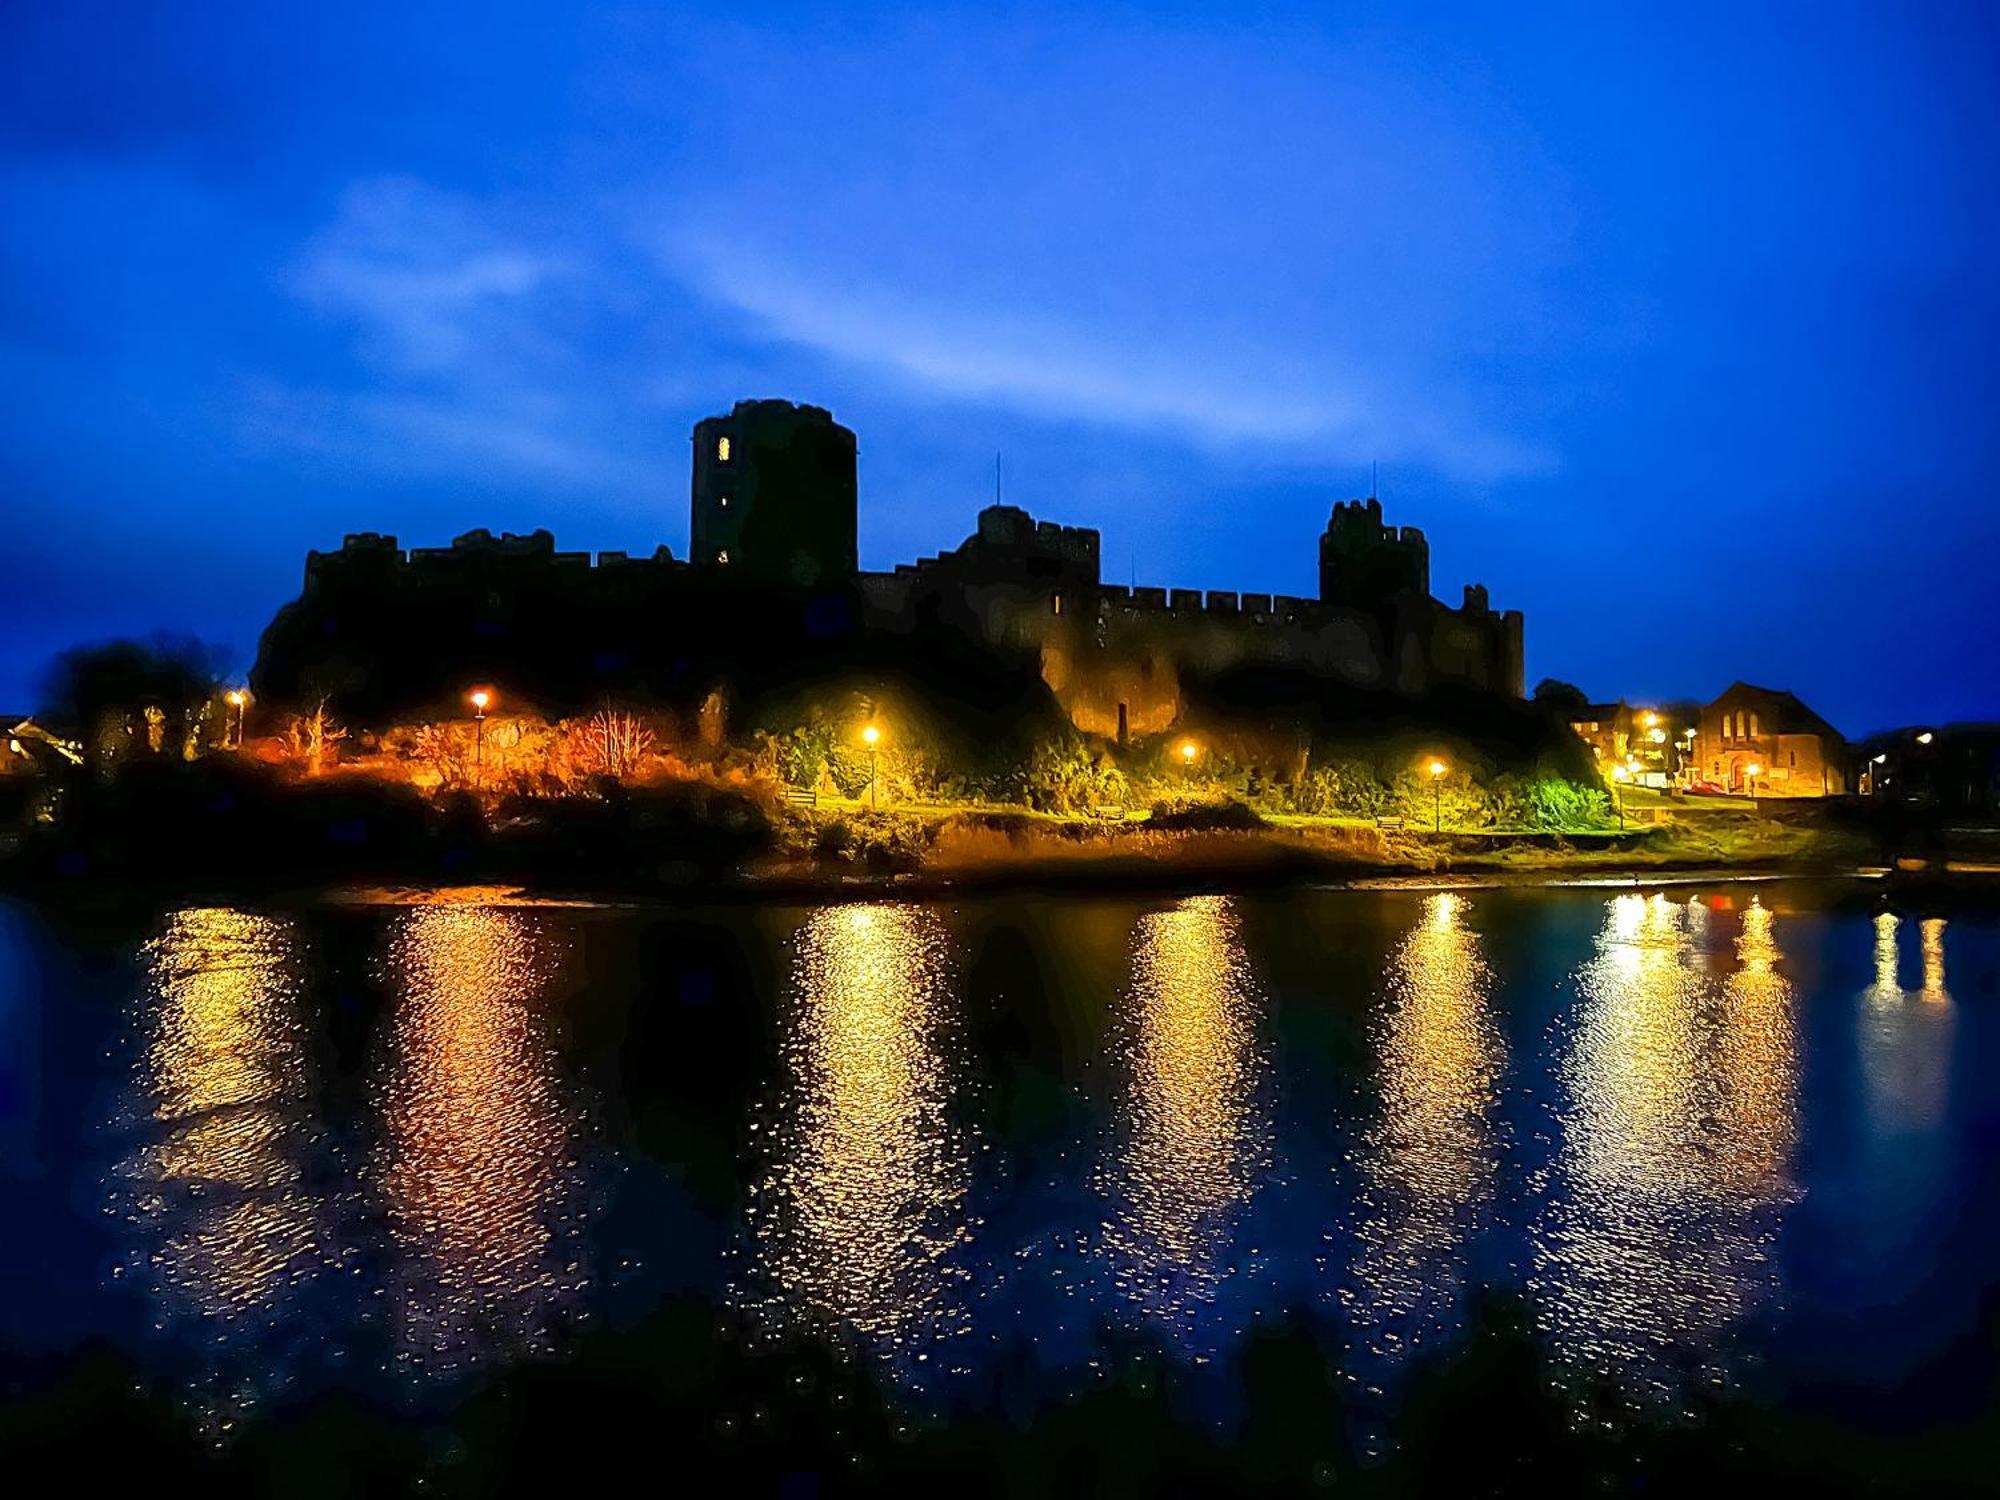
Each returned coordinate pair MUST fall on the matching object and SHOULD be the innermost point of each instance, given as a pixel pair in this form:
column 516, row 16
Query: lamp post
column 235, row 698
column 1750, row 774
column 480, row 698
column 871, row 737
column 1437, row 796
column 1189, row 750
column 1619, row 776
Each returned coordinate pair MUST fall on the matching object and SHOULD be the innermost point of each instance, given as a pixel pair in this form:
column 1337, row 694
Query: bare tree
column 611, row 742
column 313, row 733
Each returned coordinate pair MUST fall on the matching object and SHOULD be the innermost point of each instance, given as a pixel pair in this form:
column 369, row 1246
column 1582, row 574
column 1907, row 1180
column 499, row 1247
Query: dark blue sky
column 1673, row 325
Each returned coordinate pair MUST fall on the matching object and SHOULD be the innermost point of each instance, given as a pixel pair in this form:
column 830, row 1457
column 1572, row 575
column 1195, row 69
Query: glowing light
column 234, row 697
column 1649, row 718
column 1753, row 769
column 863, row 1199
column 1436, row 768
column 1429, row 1163
column 1658, row 736
column 216, row 1191
column 1620, row 773
column 1189, row 750
column 479, row 698
column 1192, row 1141
column 477, row 1167
column 1678, row 1108
column 870, row 735
column 1925, row 738
column 1906, row 1047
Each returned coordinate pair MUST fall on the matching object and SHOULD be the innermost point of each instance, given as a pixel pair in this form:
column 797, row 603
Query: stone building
column 773, row 528
column 775, row 494
column 1765, row 741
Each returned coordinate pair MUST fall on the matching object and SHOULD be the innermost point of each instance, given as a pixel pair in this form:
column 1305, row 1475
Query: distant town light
column 1649, row 718
column 1658, row 736
column 15, row 746
column 1925, row 738
column 1619, row 773
column 1882, row 759
column 235, row 697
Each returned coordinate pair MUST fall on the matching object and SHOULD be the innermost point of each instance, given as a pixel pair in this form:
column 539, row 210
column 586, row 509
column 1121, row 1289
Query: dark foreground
column 1390, row 1192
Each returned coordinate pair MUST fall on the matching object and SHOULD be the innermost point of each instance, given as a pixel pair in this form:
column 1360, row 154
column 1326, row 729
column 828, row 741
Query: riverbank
column 703, row 844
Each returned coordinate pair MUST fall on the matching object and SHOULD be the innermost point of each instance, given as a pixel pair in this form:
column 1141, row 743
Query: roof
column 1782, row 711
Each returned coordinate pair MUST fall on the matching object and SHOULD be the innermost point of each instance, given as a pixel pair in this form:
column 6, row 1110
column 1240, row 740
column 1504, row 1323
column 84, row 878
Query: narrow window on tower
column 1055, row 604
column 722, row 450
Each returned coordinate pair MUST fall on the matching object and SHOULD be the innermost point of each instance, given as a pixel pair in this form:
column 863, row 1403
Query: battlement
column 370, row 555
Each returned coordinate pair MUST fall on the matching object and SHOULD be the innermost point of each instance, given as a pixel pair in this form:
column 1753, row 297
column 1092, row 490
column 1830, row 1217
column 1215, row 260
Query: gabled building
column 1765, row 742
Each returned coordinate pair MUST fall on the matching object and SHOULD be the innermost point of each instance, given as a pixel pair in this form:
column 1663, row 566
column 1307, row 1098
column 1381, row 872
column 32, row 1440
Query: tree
column 611, row 742
column 1553, row 693
column 313, row 734
column 109, row 695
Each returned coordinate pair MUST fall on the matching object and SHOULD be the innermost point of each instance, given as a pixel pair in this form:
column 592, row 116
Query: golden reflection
column 1194, row 1137
column 477, row 1167
column 217, row 1184
column 863, row 1201
column 1906, row 1036
column 1428, row 1164
column 1679, row 1119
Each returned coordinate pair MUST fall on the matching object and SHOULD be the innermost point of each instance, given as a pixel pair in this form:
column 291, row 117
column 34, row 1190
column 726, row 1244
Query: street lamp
column 480, row 698
column 1619, row 776
column 871, row 737
column 1189, row 750
column 236, row 697
column 1751, row 772
column 1436, row 769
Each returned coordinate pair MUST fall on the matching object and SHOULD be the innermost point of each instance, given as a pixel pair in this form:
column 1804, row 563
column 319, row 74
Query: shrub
column 1567, row 806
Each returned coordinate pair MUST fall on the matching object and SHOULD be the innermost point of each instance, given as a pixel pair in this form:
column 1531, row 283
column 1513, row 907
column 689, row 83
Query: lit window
column 722, row 450
column 1754, row 730
column 722, row 556
column 1055, row 604
column 725, row 502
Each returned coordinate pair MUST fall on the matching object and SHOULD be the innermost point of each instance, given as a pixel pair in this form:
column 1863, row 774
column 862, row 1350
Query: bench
column 801, row 796
column 1388, row 822
column 1109, row 814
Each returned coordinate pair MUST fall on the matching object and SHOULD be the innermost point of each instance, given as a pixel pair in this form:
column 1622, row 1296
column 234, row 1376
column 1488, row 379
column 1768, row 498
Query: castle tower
column 1364, row 564
column 774, row 494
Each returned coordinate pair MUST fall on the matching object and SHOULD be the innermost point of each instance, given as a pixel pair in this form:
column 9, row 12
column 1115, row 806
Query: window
column 722, row 450
column 725, row 502
column 1754, row 730
column 722, row 556
column 1055, row 604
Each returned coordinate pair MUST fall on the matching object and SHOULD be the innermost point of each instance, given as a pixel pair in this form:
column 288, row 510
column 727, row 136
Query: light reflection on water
column 1906, row 1035
column 223, row 1221
column 1428, row 1162
column 1191, row 1140
column 859, row 1217
column 1678, row 1111
column 1646, row 1240
column 478, row 1166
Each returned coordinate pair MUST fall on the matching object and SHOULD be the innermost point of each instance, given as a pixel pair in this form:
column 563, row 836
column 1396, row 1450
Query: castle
column 773, row 518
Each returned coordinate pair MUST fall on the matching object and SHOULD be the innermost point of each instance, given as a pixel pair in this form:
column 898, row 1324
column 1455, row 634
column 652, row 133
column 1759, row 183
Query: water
column 988, row 1155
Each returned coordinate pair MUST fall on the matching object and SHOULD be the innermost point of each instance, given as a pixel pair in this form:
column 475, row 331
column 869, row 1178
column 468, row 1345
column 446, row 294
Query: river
column 1730, row 1141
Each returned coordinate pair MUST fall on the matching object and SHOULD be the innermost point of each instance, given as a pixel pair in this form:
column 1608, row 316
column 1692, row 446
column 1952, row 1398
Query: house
column 1765, row 742
column 1649, row 743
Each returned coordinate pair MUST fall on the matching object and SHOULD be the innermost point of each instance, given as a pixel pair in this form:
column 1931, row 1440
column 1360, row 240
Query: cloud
column 425, row 275
column 1081, row 367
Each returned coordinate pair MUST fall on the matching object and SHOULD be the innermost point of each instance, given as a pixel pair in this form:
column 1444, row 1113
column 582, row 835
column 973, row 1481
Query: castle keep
column 773, row 517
